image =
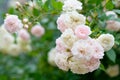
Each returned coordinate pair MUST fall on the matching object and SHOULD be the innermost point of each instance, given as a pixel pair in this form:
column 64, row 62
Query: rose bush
column 60, row 39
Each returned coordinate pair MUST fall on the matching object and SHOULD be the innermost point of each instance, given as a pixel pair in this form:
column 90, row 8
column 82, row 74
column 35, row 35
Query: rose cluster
column 14, row 46
column 75, row 50
column 14, row 25
column 15, row 37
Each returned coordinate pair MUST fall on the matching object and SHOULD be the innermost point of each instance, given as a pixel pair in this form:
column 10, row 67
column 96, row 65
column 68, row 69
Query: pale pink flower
column 3, row 31
column 66, row 40
column 82, row 31
column 113, row 70
column 71, row 5
column 98, row 49
column 61, row 24
column 12, row 23
column 24, row 35
column 69, row 38
column 51, row 56
column 61, row 60
column 113, row 25
column 93, row 64
column 106, row 41
column 77, row 65
column 87, row 48
column 81, row 48
column 37, row 30
column 70, row 20
column 14, row 50
column 82, row 65
column 60, row 45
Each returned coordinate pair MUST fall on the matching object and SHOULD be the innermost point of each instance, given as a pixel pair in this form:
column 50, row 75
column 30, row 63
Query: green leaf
column 39, row 2
column 102, row 67
column 11, row 10
column 109, row 5
column 97, row 2
column 56, row 5
column 46, row 6
column 117, row 11
column 35, row 12
column 111, row 55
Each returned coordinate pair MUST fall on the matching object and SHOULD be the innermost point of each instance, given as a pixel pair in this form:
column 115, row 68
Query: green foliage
column 102, row 67
column 50, row 5
column 34, row 65
column 117, row 11
column 111, row 55
column 109, row 5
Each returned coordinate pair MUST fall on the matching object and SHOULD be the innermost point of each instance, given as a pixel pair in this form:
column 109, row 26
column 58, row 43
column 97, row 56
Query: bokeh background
column 34, row 65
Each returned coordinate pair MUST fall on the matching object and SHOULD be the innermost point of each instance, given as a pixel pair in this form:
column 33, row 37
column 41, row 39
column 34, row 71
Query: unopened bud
column 18, row 4
column 25, row 20
column 7, row 14
column 26, row 26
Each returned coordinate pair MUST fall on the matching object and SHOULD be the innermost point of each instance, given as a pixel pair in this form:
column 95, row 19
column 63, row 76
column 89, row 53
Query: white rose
column 51, row 57
column 106, row 40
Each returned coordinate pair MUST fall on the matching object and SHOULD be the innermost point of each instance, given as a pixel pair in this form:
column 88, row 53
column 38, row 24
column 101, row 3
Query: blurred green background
column 34, row 65
column 3, row 9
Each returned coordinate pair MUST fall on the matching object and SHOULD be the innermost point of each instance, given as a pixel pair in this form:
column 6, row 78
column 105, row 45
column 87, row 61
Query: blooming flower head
column 14, row 50
column 22, row 42
column 61, row 60
column 8, row 39
column 23, row 34
column 87, row 48
column 71, row 5
column 113, row 71
column 98, row 49
column 60, row 45
column 61, row 22
column 37, row 30
column 51, row 57
column 82, row 31
column 5, row 37
column 12, row 23
column 75, row 50
column 5, row 42
column 3, row 31
column 70, row 20
column 82, row 65
column 113, row 25
column 68, row 38
column 106, row 40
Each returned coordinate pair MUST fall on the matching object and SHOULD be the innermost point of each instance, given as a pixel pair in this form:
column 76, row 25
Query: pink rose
column 37, row 30
column 113, row 25
column 12, row 23
column 82, row 31
column 61, row 23
column 24, row 35
column 60, row 46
